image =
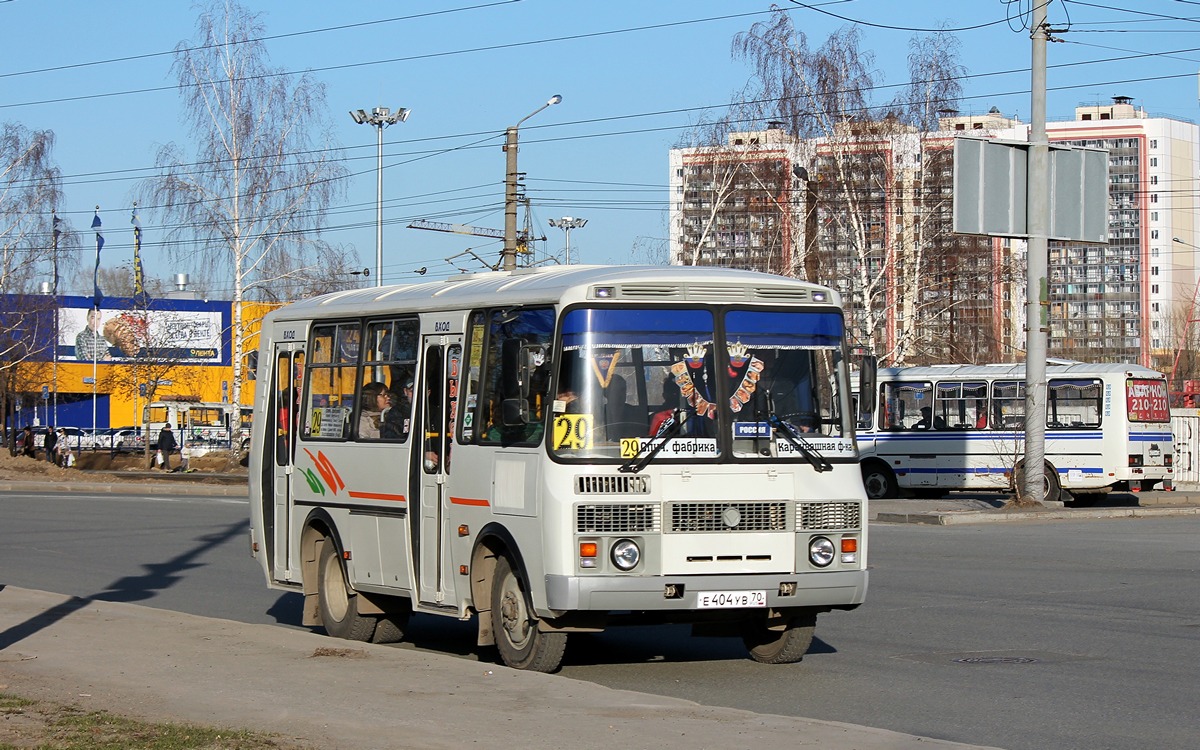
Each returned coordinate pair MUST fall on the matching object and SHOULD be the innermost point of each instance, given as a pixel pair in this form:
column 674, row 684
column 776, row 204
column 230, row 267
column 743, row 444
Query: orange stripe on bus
column 468, row 501
column 378, row 496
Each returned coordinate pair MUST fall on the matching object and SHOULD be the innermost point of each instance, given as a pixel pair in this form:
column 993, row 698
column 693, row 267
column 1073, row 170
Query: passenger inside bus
column 374, row 400
column 396, row 421
column 621, row 419
column 670, row 402
column 923, row 423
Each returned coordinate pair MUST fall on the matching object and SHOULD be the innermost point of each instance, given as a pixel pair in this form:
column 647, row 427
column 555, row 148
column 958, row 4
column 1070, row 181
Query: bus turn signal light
column 587, row 554
column 849, row 550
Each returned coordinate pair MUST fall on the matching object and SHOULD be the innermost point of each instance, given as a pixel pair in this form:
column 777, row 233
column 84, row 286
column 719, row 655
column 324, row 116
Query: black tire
column 879, row 481
column 338, row 603
column 1051, row 487
column 392, row 627
column 520, row 643
column 786, row 646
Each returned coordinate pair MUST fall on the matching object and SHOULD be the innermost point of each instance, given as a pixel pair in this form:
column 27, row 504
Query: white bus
column 961, row 427
column 559, row 450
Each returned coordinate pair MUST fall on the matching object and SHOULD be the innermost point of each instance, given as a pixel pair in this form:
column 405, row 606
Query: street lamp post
column 509, row 256
column 567, row 223
column 380, row 117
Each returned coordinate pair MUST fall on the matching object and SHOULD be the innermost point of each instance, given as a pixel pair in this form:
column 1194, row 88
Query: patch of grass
column 32, row 725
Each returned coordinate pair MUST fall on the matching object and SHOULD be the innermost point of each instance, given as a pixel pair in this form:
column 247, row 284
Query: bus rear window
column 1074, row 403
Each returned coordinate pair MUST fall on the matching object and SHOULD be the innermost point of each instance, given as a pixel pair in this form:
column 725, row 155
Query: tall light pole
column 567, row 223
column 380, row 117
column 509, row 256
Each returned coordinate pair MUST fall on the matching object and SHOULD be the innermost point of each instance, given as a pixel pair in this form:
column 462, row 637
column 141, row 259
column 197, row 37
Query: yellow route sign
column 572, row 432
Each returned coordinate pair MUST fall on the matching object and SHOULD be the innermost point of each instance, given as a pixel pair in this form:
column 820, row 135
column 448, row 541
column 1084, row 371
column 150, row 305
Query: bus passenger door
column 280, row 449
column 432, row 455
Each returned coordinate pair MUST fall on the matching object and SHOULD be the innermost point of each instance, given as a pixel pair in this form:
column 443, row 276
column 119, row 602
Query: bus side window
column 391, row 361
column 331, row 385
column 520, row 380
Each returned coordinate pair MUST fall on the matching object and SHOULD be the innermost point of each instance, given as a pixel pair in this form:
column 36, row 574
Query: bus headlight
column 626, row 554
column 821, row 551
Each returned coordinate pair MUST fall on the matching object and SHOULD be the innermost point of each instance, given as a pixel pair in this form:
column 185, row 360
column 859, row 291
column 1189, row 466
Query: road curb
column 956, row 518
column 125, row 487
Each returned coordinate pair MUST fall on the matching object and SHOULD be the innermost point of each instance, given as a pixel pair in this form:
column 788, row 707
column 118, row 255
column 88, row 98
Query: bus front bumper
column 681, row 593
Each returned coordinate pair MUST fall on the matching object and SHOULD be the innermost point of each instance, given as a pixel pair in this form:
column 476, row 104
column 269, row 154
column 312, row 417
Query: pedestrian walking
column 64, row 457
column 166, row 444
column 51, row 445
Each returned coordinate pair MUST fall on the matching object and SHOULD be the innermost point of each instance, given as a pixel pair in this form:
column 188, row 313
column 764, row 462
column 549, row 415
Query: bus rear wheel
column 337, row 602
column 1051, row 487
column 785, row 646
column 520, row 643
column 879, row 481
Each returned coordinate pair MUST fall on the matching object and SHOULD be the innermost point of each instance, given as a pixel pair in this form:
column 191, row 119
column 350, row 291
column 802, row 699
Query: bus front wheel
column 520, row 643
column 1051, row 487
column 879, row 481
column 785, row 646
column 337, row 602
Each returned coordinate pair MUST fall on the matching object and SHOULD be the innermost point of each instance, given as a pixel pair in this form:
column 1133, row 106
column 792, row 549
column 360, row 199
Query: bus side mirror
column 514, row 412
column 511, row 375
column 868, row 374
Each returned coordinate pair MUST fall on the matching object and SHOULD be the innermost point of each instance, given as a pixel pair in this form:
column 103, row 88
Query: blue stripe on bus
column 967, row 470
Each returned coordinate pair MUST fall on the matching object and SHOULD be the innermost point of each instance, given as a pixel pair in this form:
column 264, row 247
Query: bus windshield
column 629, row 376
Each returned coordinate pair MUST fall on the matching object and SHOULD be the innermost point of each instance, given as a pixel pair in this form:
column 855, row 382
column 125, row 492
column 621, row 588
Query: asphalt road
column 1064, row 634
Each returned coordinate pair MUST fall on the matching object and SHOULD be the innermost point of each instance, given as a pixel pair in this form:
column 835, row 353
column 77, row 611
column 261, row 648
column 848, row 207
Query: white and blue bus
column 559, row 450
column 961, row 427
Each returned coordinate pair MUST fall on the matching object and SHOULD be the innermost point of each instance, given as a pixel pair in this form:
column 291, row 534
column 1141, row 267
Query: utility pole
column 1037, row 303
column 509, row 256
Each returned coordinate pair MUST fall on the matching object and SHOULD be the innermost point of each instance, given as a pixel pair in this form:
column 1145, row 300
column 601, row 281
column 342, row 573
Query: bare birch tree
column 33, row 247
column 879, row 176
column 253, row 199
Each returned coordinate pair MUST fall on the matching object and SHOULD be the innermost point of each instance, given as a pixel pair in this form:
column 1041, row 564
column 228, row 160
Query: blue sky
column 633, row 77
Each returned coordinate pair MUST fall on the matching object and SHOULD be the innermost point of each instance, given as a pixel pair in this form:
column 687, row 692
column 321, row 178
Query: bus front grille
column 721, row 516
column 617, row 518
column 812, row 516
column 612, row 484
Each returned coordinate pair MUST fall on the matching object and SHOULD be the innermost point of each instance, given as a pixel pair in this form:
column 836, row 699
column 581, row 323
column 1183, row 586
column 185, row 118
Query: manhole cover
column 996, row 660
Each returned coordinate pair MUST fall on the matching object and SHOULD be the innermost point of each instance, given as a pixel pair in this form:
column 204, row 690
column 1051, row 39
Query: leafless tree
column 253, row 199
column 879, row 177
column 146, row 336
column 33, row 246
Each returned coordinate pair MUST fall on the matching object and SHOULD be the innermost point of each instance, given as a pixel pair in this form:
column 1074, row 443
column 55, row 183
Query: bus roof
column 554, row 284
column 1057, row 368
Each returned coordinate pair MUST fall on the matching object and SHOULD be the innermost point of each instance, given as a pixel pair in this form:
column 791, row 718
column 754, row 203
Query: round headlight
column 626, row 555
column 821, row 551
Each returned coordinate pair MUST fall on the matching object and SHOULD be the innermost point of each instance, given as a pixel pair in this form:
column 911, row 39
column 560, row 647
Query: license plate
column 731, row 599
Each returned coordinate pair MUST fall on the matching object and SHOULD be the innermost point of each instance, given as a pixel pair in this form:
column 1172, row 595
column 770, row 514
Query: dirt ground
column 23, row 467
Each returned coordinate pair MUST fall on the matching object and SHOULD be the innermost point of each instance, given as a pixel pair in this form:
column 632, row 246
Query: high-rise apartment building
column 773, row 202
column 1129, row 300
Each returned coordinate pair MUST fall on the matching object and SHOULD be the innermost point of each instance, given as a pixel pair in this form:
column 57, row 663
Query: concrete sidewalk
column 315, row 691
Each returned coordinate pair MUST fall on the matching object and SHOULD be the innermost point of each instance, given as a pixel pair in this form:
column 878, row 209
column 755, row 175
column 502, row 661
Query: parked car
column 127, row 440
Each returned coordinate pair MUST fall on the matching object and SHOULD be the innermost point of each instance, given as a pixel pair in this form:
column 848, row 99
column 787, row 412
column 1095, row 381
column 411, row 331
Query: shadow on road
column 158, row 577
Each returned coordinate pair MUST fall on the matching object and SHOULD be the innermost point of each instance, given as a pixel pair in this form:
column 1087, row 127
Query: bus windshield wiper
column 800, row 443
column 666, row 431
